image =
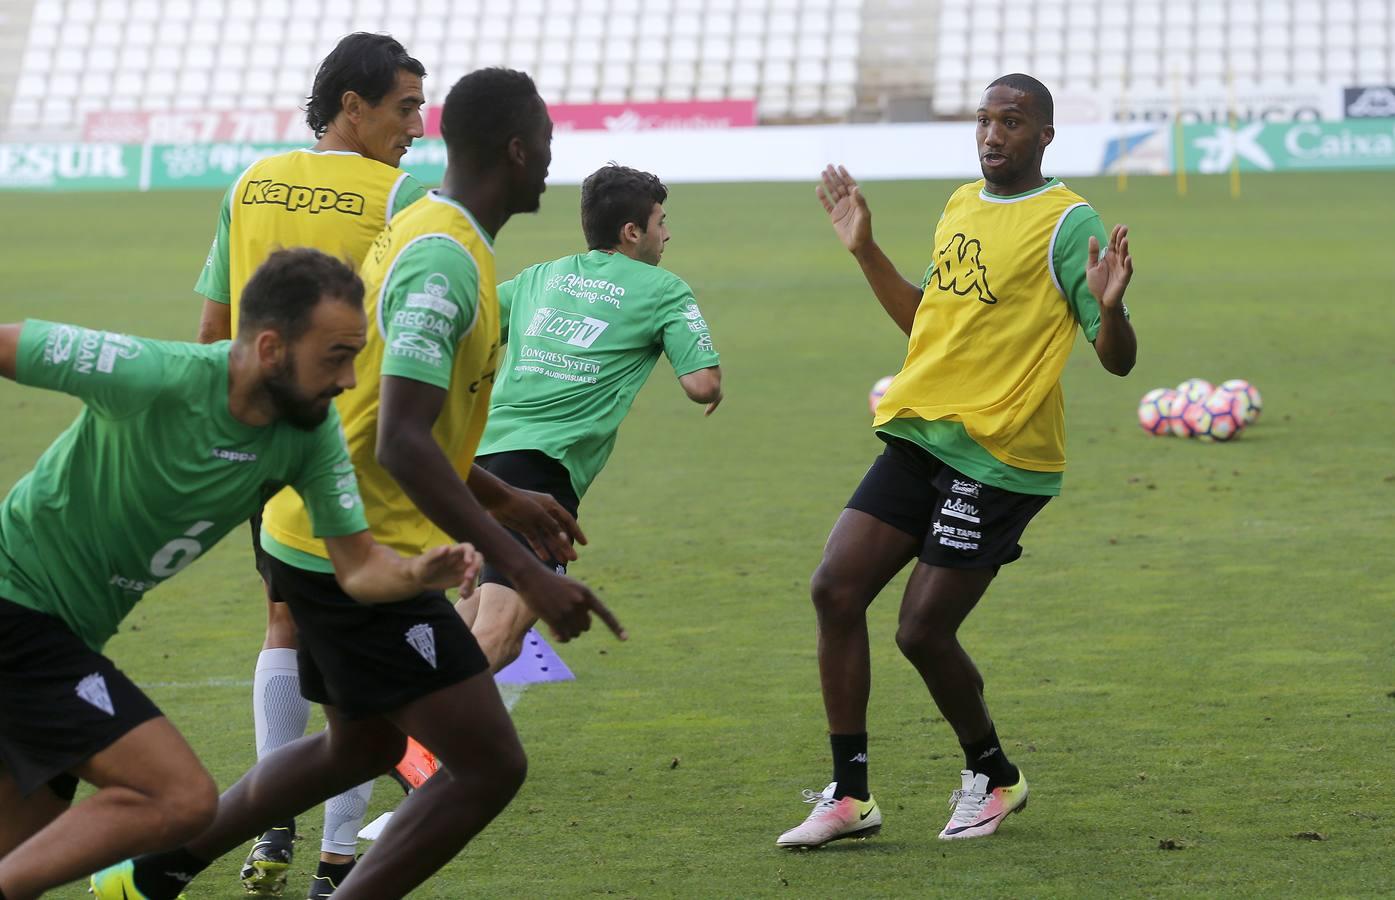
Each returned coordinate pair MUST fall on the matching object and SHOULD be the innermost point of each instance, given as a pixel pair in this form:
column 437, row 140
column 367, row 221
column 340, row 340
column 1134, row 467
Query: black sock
column 850, row 765
column 987, row 757
column 335, row 872
column 161, row 876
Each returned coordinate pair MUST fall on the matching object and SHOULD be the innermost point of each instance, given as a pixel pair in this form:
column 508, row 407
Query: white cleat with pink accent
column 833, row 820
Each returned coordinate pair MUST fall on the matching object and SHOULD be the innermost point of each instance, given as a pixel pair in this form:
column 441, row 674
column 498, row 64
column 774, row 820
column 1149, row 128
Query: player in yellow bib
column 365, row 109
column 975, row 432
column 412, row 424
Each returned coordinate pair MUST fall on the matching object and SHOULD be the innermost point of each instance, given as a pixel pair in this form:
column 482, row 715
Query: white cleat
column 833, row 820
column 978, row 811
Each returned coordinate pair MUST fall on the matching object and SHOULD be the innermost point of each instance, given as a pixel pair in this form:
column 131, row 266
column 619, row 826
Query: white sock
column 279, row 713
column 344, row 819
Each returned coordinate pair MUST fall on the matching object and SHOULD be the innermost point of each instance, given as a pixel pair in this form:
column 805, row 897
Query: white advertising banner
column 872, row 152
column 1198, row 104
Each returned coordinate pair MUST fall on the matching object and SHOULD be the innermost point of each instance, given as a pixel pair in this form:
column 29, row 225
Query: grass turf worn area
column 1192, row 663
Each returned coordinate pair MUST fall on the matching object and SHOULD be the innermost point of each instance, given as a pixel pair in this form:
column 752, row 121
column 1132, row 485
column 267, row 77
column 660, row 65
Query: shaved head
column 1041, row 97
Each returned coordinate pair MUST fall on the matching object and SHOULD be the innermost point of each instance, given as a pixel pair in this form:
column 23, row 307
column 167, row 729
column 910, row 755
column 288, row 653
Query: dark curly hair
column 284, row 291
column 614, row 196
column 485, row 110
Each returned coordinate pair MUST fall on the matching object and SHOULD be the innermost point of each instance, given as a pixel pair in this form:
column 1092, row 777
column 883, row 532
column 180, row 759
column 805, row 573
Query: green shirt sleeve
column 505, row 293
column 115, row 375
column 213, row 281
column 327, row 484
column 684, row 333
column 1068, row 260
column 428, row 307
column 409, row 191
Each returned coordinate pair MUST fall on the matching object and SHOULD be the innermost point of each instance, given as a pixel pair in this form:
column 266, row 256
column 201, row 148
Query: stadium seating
column 797, row 58
column 801, row 60
column 1159, row 45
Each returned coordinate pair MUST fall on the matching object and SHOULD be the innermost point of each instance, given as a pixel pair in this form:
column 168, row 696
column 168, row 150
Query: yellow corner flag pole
column 1179, row 147
column 1230, row 121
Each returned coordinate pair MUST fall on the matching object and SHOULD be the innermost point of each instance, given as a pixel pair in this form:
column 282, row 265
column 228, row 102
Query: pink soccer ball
column 1155, row 410
column 878, row 391
column 1194, row 390
column 1228, row 411
column 1256, row 402
column 1191, row 420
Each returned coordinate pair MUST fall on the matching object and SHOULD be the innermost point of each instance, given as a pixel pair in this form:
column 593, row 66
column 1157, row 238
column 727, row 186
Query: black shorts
column 963, row 523
column 61, row 702
column 531, row 470
column 260, row 557
column 366, row 660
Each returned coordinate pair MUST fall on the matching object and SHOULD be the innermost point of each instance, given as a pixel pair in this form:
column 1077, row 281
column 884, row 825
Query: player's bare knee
column 512, row 769
column 187, row 809
column 835, row 602
column 917, row 638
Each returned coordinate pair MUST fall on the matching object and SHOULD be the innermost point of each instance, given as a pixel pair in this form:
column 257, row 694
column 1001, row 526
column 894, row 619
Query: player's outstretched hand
column 566, row 605
column 547, row 525
column 846, row 207
column 446, row 567
column 1107, row 278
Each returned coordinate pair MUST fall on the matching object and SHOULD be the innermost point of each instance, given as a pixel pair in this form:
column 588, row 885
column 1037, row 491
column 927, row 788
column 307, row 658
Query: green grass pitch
column 1195, row 653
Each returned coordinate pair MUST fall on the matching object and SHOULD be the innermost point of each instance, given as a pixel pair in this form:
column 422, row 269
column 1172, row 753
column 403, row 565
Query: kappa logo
column 423, row 640
column 967, row 488
column 297, row 197
column 59, row 347
column 418, row 347
column 960, row 509
column 236, row 456
column 93, row 689
column 859, row 758
column 958, row 269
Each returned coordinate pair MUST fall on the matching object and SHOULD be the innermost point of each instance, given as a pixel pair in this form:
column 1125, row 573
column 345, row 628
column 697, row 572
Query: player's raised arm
column 1108, row 277
column 372, row 573
column 852, row 221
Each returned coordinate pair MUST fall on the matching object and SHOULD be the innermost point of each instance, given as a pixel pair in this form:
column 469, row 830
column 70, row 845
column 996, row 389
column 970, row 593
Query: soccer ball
column 1194, row 390
column 1256, row 402
column 1155, row 410
column 1220, row 418
column 875, row 395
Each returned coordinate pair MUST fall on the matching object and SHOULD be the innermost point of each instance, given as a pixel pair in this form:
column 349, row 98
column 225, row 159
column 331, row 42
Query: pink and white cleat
column 978, row 811
column 833, row 820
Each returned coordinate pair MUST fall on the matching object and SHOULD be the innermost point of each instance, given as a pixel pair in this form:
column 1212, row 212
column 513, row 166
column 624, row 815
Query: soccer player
column 975, row 433
column 583, row 333
column 365, row 109
column 412, row 426
column 176, row 446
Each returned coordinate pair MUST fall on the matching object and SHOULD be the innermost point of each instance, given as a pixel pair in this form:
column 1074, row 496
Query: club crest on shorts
column 93, row 689
column 423, row 640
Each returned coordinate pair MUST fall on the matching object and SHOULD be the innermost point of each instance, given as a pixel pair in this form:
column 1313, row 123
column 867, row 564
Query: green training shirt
column 946, row 439
column 583, row 333
column 152, row 473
